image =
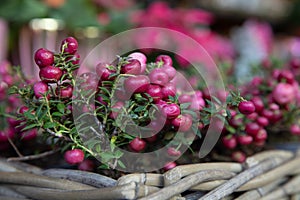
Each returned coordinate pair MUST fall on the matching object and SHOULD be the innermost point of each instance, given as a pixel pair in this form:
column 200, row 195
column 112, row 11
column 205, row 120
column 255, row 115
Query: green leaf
column 61, row 108
column 139, row 109
column 121, row 164
column 216, row 100
column 28, row 127
column 57, row 114
column 29, row 115
column 50, row 125
column 184, row 106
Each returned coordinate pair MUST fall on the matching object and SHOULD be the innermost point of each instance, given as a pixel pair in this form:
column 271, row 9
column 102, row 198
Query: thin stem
column 34, row 157
column 14, row 146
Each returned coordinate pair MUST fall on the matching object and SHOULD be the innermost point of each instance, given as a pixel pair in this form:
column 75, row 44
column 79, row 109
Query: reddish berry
column 182, row 122
column 238, row 156
column 184, row 98
column 115, row 109
column 171, row 71
column 137, row 144
column 74, row 156
column 43, row 57
column 89, row 81
column 87, row 165
column 295, row 129
column 104, row 71
column 171, row 111
column 252, row 116
column 245, row 139
column 262, row 121
column 23, row 109
column 197, row 103
column 6, row 134
column 168, row 89
column 153, row 138
column 167, row 60
column 155, row 92
column 236, row 121
column 173, row 152
column 132, row 67
column 286, row 76
column 267, row 114
column 170, row 166
column 50, row 74
column 284, row 93
column 261, row 135
column 159, row 77
column 246, row 107
column 101, row 100
column 40, row 89
column 140, row 57
column 65, row 92
column 136, row 84
column 75, row 59
column 252, row 128
column 29, row 134
column 229, row 142
column 71, row 45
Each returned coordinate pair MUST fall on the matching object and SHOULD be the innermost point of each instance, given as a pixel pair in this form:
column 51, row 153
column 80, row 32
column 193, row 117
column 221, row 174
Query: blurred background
column 233, row 32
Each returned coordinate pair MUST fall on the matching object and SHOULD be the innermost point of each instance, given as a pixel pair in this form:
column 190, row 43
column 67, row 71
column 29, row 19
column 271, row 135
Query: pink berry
column 159, row 77
column 184, row 98
column 23, row 109
column 43, row 57
column 295, row 129
column 140, row 57
column 74, row 156
column 262, row 121
column 238, row 156
column 40, row 89
column 246, row 107
column 286, row 76
column 173, row 152
column 50, row 74
column 75, row 59
column 86, row 165
column 136, row 84
column 167, row 60
column 171, row 111
column 236, row 121
column 29, row 134
column 133, row 67
column 284, row 93
column 137, row 144
column 155, row 92
column 182, row 122
column 197, row 103
column 151, row 139
column 115, row 109
column 6, row 134
column 170, row 71
column 252, row 128
column 104, row 71
column 170, row 166
column 65, row 91
column 168, row 89
column 89, row 81
column 245, row 139
column 71, row 45
column 261, row 135
column 229, row 142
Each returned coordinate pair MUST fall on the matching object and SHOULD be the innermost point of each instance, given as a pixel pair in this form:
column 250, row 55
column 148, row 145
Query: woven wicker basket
column 268, row 175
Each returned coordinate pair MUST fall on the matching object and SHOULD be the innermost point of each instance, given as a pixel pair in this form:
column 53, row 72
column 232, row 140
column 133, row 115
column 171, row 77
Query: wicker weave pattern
column 267, row 175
